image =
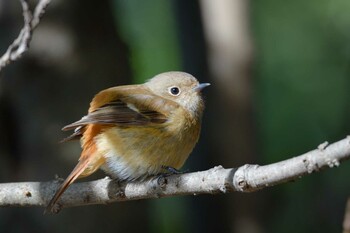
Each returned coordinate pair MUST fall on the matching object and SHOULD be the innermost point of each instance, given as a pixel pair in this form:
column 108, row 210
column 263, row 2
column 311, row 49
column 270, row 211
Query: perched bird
column 135, row 131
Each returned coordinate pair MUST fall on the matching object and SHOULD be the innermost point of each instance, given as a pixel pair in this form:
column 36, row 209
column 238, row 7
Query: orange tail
column 77, row 171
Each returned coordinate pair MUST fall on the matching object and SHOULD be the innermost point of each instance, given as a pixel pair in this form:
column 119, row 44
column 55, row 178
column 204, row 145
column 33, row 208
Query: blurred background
column 280, row 74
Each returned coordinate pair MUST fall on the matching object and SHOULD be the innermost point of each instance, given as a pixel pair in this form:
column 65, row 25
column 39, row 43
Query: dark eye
column 174, row 91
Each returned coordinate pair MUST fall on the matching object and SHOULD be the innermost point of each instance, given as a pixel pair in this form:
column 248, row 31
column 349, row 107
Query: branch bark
column 247, row 178
column 21, row 43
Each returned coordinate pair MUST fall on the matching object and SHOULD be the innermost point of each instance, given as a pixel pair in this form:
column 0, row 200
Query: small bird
column 135, row 131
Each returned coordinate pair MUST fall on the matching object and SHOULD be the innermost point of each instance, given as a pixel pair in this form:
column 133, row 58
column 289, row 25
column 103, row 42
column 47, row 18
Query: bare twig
column 21, row 43
column 247, row 178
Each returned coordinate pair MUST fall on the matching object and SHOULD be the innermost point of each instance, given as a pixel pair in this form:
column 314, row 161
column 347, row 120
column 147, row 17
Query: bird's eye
column 175, row 91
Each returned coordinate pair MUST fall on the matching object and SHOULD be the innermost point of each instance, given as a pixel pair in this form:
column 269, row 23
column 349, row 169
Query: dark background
column 280, row 77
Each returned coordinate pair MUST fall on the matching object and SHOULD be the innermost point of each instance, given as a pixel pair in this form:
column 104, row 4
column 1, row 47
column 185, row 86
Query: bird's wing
column 138, row 108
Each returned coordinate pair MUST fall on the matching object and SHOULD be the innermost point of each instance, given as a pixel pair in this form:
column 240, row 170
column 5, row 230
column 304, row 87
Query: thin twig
column 247, row 178
column 21, row 43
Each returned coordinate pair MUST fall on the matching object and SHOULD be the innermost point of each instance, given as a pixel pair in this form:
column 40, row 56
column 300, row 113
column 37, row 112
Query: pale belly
column 135, row 154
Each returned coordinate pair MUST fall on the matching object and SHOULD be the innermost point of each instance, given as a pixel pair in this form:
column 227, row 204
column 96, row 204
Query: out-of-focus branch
column 247, row 178
column 21, row 43
column 346, row 222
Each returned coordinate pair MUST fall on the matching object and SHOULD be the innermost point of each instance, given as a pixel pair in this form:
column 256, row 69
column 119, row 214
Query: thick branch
column 21, row 43
column 247, row 178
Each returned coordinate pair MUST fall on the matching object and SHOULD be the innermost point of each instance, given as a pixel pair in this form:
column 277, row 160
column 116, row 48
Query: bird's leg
column 171, row 170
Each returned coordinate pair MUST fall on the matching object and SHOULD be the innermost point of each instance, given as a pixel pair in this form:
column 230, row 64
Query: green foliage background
column 302, row 76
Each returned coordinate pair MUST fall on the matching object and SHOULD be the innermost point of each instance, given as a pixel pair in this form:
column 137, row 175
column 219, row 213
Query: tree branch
column 247, row 178
column 21, row 43
column 346, row 222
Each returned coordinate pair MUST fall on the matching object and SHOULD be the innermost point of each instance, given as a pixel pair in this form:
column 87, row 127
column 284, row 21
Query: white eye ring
column 175, row 91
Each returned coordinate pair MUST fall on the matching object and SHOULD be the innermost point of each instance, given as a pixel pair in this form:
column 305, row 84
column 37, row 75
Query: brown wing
column 137, row 109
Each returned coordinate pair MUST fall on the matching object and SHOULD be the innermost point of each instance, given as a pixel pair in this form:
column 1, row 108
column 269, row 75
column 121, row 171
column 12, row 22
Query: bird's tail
column 77, row 171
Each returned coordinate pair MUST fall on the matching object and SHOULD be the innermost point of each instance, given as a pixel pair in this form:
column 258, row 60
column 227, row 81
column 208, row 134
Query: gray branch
column 21, row 43
column 247, row 178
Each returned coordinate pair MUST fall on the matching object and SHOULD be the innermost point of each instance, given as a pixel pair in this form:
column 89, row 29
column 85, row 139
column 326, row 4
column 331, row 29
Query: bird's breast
column 138, row 152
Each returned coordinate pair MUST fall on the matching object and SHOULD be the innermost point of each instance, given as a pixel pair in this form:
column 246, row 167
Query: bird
column 132, row 132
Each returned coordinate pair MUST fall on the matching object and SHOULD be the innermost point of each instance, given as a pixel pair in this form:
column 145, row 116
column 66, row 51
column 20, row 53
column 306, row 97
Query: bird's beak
column 201, row 86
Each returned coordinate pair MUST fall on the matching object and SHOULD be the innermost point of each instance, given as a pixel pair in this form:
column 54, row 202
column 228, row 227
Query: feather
column 88, row 163
column 139, row 109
